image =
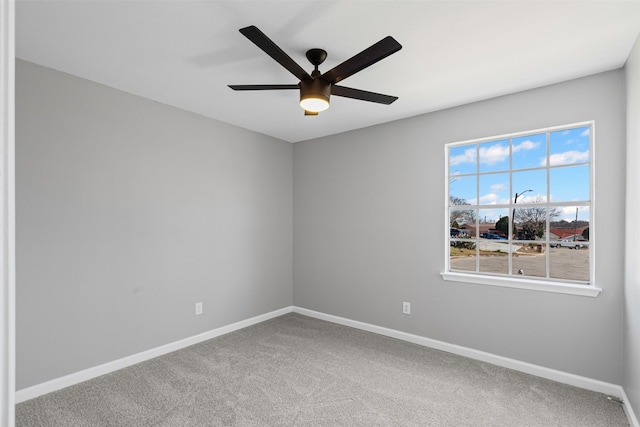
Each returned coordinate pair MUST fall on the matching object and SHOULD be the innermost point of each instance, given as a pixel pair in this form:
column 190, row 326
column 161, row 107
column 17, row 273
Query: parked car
column 492, row 236
column 570, row 243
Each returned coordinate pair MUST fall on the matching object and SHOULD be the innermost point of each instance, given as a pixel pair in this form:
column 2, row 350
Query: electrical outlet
column 198, row 308
column 406, row 307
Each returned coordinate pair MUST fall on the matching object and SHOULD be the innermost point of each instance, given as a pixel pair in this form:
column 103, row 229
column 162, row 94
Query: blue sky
column 569, row 176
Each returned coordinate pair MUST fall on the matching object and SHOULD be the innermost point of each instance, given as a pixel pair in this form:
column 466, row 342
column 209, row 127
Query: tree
column 466, row 216
column 531, row 221
column 585, row 233
column 502, row 225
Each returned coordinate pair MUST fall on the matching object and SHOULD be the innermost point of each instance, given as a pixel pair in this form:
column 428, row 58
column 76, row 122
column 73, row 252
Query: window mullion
column 512, row 212
column 548, row 199
column 477, row 219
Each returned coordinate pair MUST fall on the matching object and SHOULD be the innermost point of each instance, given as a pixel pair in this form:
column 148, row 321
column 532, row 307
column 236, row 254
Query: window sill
column 532, row 285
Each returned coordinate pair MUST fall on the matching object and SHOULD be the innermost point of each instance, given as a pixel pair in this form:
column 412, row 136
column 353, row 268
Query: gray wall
column 368, row 218
column 631, row 382
column 129, row 212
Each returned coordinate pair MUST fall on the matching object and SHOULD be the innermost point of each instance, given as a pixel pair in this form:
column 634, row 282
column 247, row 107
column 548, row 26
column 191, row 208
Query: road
column 564, row 263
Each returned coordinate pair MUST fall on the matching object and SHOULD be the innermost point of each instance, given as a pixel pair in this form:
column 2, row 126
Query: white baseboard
column 633, row 421
column 87, row 374
column 540, row 371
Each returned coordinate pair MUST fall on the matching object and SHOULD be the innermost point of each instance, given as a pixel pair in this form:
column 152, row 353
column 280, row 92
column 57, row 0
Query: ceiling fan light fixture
column 314, row 104
column 314, row 95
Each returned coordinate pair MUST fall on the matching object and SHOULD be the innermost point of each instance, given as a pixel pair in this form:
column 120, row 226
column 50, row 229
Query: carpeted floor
column 299, row 371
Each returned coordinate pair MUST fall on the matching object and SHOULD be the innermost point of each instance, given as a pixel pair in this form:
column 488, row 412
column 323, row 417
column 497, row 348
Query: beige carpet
column 298, row 371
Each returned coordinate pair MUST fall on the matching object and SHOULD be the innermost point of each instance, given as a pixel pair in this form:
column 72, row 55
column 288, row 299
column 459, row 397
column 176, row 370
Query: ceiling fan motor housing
column 314, row 89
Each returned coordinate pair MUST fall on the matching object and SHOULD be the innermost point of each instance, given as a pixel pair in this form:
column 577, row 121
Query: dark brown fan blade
column 270, row 48
column 362, row 95
column 263, row 87
column 367, row 57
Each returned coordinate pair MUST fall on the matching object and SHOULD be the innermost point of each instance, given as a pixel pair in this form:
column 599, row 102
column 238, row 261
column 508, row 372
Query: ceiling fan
column 315, row 89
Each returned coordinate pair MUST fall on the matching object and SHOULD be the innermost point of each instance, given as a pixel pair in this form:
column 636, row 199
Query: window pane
column 494, row 189
column 530, row 223
column 568, row 263
column 569, row 146
column 569, row 256
column 529, row 151
column 462, row 159
column 530, row 186
column 494, row 156
column 493, row 244
column 529, row 259
column 462, row 255
column 463, row 190
column 494, row 222
column 495, row 261
column 564, row 226
column 464, row 220
column 569, row 183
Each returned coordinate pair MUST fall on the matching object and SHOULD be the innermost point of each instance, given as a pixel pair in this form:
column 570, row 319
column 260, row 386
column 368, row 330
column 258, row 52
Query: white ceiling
column 184, row 53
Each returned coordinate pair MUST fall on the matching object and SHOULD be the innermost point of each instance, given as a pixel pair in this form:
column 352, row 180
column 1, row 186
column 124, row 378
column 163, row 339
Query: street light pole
column 515, row 200
column 513, row 215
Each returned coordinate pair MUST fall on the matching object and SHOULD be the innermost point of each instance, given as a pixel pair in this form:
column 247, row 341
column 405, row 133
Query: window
column 520, row 210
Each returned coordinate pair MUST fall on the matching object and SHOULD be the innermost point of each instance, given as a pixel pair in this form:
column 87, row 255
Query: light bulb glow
column 313, row 104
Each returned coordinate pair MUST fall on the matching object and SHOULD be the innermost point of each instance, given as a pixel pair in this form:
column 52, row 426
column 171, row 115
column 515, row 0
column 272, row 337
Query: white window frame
column 510, row 281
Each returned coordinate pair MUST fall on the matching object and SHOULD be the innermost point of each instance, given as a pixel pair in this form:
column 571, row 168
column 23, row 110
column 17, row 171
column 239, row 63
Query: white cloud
column 492, row 199
column 532, row 198
column 489, row 199
column 498, row 153
column 526, row 145
column 566, row 132
column 586, row 132
column 567, row 158
column 568, row 213
column 493, row 154
column 469, row 156
column 496, row 188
